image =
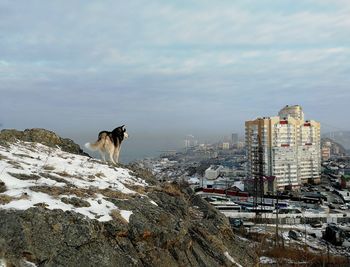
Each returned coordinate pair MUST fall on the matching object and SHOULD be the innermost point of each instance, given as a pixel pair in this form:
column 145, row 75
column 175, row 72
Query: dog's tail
column 94, row 146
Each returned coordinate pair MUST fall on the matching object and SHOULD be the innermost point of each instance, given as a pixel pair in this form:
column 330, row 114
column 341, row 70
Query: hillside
column 336, row 148
column 341, row 137
column 63, row 209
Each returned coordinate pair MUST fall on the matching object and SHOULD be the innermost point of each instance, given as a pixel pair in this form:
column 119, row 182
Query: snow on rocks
column 229, row 257
column 126, row 214
column 37, row 175
column 266, row 260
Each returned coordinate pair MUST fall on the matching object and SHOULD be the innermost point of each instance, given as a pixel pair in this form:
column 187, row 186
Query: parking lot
column 326, row 188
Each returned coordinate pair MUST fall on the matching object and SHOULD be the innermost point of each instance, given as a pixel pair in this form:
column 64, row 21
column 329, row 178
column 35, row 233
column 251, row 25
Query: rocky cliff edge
column 63, row 209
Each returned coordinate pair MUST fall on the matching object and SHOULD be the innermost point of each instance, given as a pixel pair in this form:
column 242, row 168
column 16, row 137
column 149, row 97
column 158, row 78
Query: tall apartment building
column 285, row 147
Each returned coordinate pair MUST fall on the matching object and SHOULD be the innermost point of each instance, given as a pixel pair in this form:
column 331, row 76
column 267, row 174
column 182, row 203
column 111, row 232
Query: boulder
column 41, row 136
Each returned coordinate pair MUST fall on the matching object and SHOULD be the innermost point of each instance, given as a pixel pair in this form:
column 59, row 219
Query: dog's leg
column 116, row 154
column 111, row 154
column 103, row 156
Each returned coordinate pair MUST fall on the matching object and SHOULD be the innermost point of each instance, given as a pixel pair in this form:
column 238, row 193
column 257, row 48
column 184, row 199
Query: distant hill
column 341, row 137
column 336, row 148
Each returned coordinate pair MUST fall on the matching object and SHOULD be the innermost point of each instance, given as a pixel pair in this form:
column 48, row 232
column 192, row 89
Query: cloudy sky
column 171, row 68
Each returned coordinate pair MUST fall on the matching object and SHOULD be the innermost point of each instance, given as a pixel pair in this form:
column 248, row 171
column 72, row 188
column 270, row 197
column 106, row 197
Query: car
column 294, row 235
column 316, row 224
column 331, row 206
column 236, row 222
column 343, row 207
column 312, row 234
column 336, row 201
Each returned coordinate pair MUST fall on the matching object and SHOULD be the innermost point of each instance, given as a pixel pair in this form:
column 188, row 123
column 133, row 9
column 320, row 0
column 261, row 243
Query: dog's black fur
column 109, row 143
column 116, row 136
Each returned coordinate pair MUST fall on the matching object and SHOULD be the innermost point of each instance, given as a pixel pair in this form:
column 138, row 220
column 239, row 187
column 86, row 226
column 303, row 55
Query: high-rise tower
column 286, row 147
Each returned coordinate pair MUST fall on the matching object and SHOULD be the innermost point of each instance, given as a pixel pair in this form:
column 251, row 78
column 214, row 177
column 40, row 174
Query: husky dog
column 109, row 143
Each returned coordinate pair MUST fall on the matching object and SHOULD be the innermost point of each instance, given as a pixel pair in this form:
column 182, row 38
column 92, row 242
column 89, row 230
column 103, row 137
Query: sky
column 171, row 68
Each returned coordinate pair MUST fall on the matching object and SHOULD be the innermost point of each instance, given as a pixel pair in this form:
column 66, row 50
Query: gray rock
column 42, row 136
column 181, row 230
column 170, row 234
column 2, row 187
column 76, row 202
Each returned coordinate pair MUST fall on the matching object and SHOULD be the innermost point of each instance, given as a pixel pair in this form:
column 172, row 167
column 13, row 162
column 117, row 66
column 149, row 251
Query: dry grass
column 48, row 168
column 163, row 219
column 212, row 238
column 41, row 205
column 297, row 254
column 4, row 199
column 55, row 178
column 225, row 230
column 50, row 190
column 115, row 214
column 23, row 155
column 15, row 164
column 147, row 234
column 76, row 202
column 114, row 194
column 63, row 174
column 57, row 228
column 122, row 233
column 68, row 175
column 23, row 176
column 56, row 191
column 171, row 189
column 137, row 188
column 100, row 175
column 2, row 157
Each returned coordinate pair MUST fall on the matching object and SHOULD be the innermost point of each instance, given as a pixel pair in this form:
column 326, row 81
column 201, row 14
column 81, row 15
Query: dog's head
column 125, row 134
column 121, row 131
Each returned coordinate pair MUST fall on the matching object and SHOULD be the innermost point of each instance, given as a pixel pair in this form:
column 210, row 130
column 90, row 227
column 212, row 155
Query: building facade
column 285, row 147
column 234, row 138
column 213, row 172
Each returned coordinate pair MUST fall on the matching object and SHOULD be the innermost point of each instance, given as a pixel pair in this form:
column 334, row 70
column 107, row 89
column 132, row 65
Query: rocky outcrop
column 178, row 229
column 41, row 136
column 169, row 225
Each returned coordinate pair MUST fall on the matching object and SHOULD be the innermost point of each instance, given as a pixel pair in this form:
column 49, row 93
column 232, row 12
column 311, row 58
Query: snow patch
column 36, row 165
column 154, row 203
column 229, row 257
column 28, row 264
column 266, row 260
column 126, row 214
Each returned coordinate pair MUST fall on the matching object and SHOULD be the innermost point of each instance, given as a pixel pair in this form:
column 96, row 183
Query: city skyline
column 166, row 69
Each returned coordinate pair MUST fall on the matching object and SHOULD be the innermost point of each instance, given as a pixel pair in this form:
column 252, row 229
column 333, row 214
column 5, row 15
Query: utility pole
column 277, row 210
column 327, row 253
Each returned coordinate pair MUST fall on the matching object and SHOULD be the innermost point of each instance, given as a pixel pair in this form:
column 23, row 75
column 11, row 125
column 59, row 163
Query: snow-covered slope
column 37, row 175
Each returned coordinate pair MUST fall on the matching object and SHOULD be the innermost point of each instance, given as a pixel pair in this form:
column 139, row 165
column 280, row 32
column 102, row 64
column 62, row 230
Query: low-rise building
column 225, row 145
column 213, row 172
column 325, row 153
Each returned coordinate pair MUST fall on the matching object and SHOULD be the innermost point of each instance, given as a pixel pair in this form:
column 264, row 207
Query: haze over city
column 171, row 68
